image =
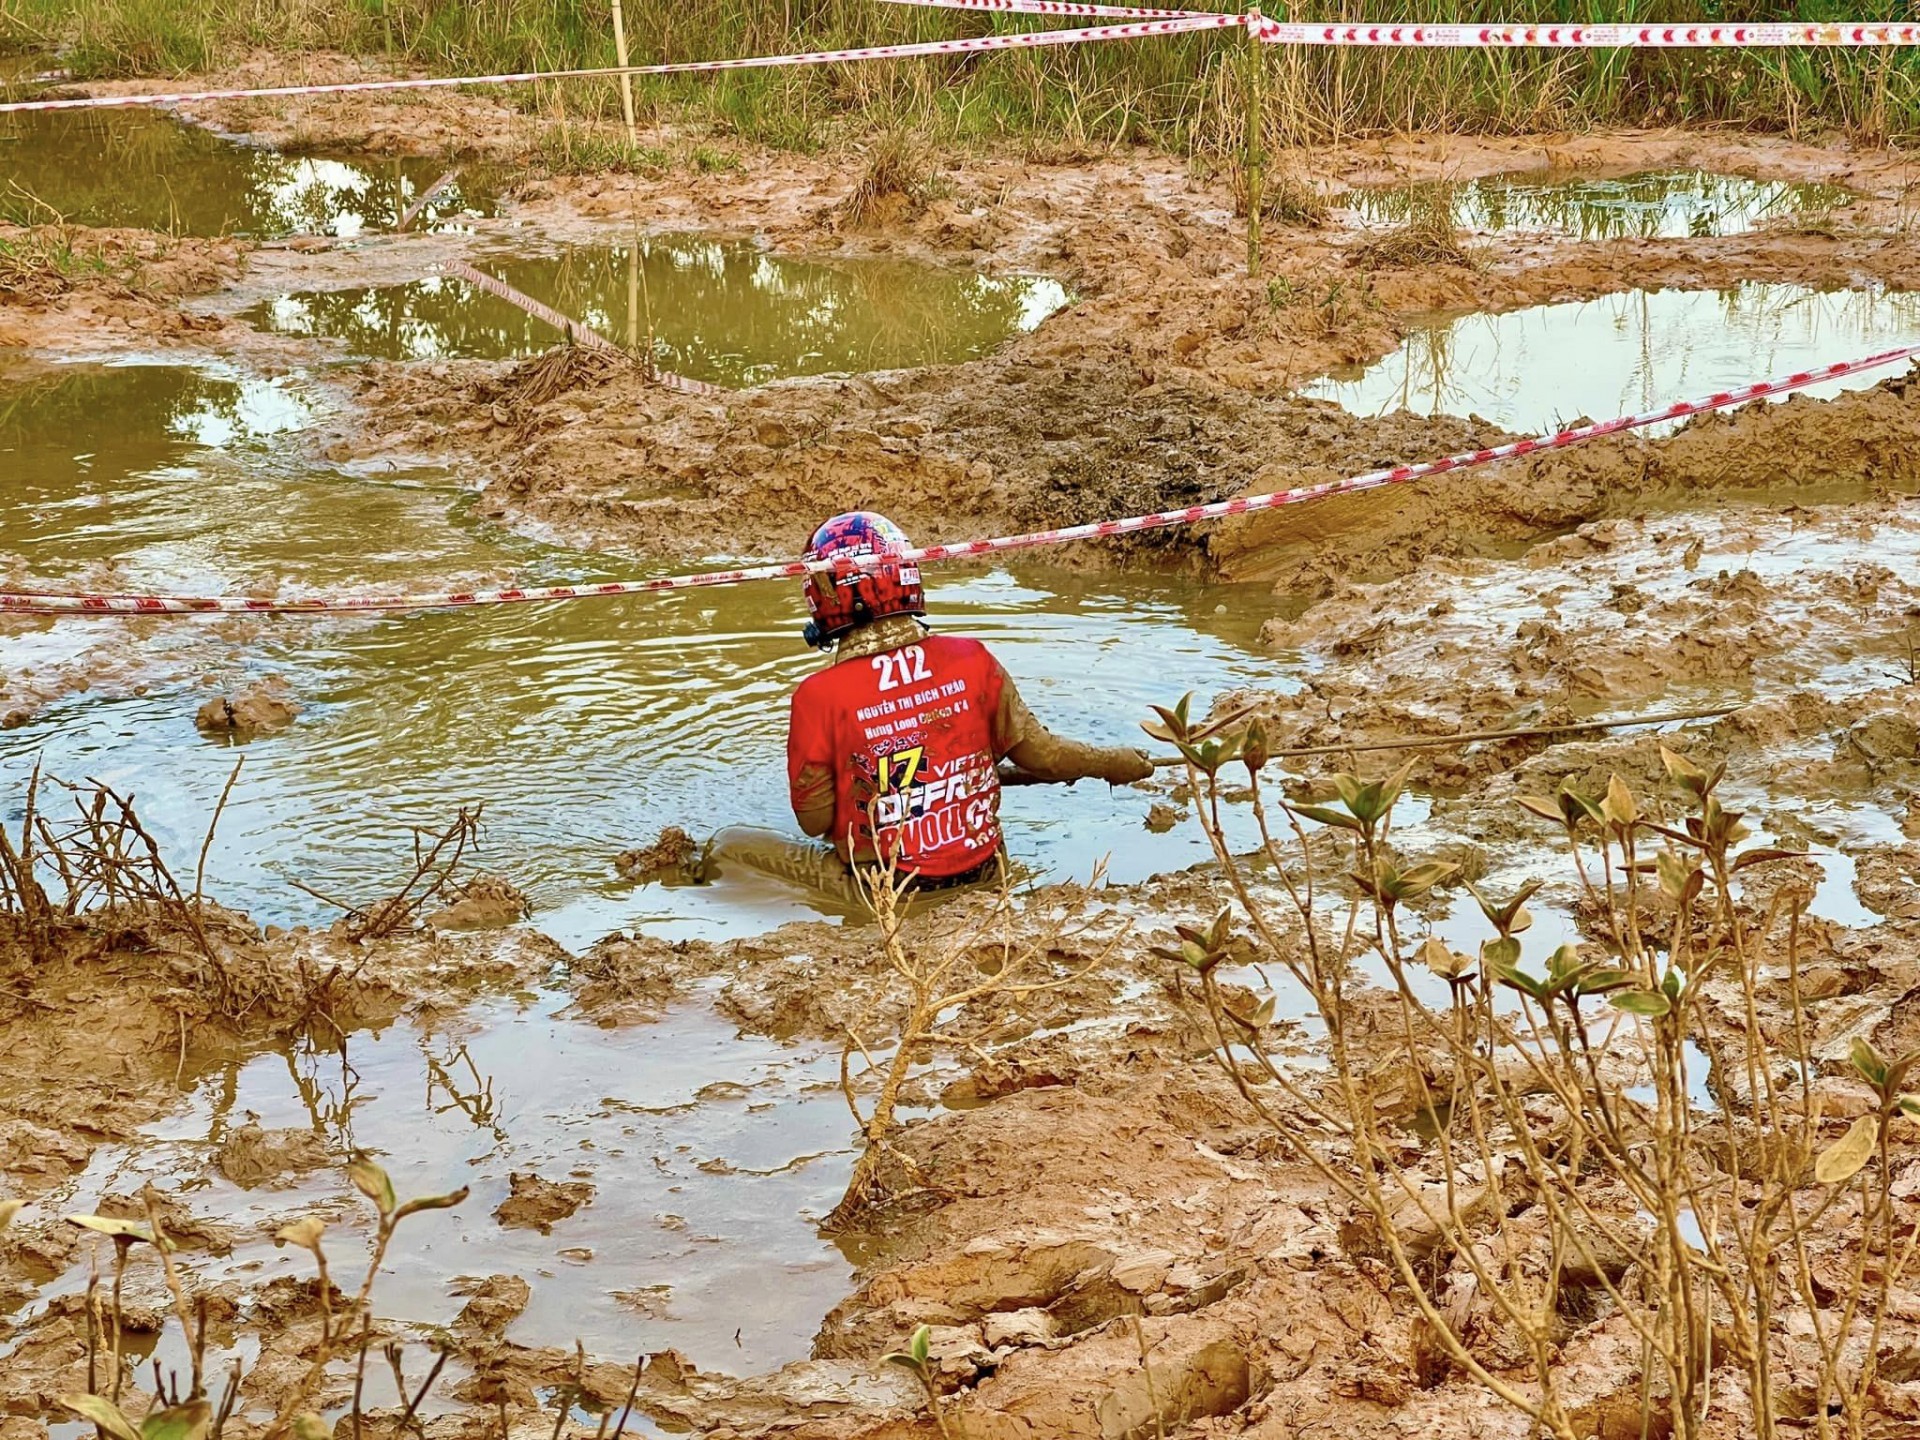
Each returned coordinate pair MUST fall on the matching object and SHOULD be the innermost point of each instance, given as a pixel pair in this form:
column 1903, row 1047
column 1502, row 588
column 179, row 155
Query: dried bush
column 896, row 180
column 1002, row 953
column 88, row 876
column 1538, row 1146
column 1427, row 236
column 437, row 857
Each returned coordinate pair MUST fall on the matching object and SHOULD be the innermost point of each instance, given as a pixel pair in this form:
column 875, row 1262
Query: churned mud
column 1102, row 1237
column 74, row 290
column 1164, row 383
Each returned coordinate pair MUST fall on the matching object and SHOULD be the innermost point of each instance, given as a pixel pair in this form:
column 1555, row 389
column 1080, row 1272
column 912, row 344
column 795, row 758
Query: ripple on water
column 147, row 170
column 720, row 311
column 1662, row 204
column 584, row 727
column 1547, row 365
column 711, row 1155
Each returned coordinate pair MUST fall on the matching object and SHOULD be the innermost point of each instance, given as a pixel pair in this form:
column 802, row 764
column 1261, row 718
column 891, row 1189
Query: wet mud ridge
column 1200, row 1149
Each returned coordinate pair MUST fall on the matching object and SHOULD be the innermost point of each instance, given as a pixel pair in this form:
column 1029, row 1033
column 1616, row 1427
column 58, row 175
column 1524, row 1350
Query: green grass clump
column 1172, row 92
column 41, row 264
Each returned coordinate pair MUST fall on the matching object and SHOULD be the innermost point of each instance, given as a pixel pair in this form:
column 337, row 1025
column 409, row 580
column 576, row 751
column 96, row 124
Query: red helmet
column 850, row 595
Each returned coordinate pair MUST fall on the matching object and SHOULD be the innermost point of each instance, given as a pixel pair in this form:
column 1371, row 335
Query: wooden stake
column 633, row 297
column 626, row 81
column 1256, row 148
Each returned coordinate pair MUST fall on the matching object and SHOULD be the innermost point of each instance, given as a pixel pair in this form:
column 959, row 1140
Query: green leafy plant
column 183, row 1410
column 1693, row 1215
column 915, row 1360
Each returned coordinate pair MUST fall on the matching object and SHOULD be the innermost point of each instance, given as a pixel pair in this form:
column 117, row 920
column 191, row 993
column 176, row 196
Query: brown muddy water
column 1544, row 366
column 584, row 727
column 147, row 170
column 720, row 311
column 711, row 1157
column 1664, row 204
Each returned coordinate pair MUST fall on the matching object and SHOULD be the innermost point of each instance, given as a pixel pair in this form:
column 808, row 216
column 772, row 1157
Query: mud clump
column 251, row 1156
column 486, row 902
column 536, row 1204
column 263, row 708
column 1162, row 817
column 672, row 854
column 492, row 1304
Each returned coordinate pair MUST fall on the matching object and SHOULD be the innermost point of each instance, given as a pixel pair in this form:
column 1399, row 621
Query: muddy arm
column 813, row 801
column 1041, row 757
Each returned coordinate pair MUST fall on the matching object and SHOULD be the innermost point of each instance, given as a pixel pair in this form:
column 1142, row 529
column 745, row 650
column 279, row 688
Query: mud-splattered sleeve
column 810, row 763
column 1013, row 722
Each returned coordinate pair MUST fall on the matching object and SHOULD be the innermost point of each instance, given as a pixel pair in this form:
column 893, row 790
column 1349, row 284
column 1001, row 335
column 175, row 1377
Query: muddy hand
column 1117, row 765
column 1123, row 765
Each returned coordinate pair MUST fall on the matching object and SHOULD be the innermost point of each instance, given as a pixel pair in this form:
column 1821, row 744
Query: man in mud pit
column 893, row 748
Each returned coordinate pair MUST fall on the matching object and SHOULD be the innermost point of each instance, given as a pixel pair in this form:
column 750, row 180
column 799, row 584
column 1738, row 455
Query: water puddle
column 1664, row 204
column 711, row 1156
column 149, row 171
column 1535, row 369
column 584, row 727
column 719, row 311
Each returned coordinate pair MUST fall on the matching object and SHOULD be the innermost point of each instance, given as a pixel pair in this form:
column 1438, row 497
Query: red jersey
column 908, row 736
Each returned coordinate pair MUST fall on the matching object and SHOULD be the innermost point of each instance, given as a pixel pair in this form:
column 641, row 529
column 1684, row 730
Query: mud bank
column 1164, row 383
column 1079, row 1182
column 157, row 1000
column 1061, row 443
column 1103, row 1237
column 71, row 289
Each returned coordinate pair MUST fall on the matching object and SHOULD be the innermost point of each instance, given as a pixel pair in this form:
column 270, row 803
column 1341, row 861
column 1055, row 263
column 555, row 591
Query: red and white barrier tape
column 1844, row 34
column 574, row 330
column 1058, row 7
column 1032, row 40
column 1847, row 34
column 56, row 603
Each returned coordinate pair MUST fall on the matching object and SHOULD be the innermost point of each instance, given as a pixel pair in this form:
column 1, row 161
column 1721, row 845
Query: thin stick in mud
column 1467, row 737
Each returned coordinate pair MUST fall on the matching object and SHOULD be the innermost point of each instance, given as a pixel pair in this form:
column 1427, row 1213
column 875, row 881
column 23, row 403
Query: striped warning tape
column 1035, row 39
column 1847, row 34
column 576, row 332
column 66, row 603
column 1055, row 7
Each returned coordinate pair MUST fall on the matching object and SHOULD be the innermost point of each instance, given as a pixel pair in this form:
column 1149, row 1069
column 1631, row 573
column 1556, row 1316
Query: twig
column 564, row 1397
column 1146, row 1369
column 93, row 1326
column 426, row 198
column 196, row 1336
column 633, row 1390
column 344, row 905
column 360, row 1368
column 228, row 1400
column 1463, row 737
column 413, row 1405
column 200, row 871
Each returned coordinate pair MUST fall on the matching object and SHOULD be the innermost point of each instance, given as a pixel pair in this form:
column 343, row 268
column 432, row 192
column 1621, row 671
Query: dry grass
column 1161, row 92
column 552, row 373
column 47, row 261
column 895, row 183
column 1428, row 236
